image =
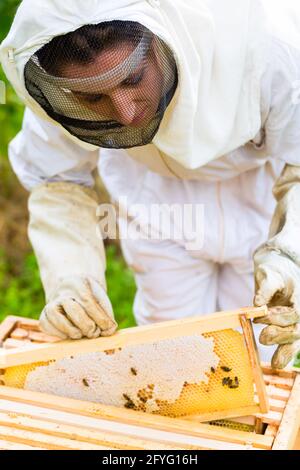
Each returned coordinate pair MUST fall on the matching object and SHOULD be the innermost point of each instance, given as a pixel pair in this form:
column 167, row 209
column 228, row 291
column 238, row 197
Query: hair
column 83, row 45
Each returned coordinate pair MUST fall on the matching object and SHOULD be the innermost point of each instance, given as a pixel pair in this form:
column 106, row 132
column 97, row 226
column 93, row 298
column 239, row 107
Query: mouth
column 138, row 119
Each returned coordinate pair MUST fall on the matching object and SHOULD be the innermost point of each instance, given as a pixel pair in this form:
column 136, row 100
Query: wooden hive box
column 30, row 420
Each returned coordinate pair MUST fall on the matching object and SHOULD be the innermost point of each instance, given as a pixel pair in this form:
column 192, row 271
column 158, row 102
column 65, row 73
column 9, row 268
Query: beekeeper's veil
column 189, row 70
column 140, row 72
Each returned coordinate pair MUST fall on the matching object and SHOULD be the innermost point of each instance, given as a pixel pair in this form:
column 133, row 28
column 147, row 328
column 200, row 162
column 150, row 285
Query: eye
column 92, row 98
column 134, row 79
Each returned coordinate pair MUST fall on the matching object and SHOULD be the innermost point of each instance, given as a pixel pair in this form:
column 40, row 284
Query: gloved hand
column 277, row 272
column 71, row 258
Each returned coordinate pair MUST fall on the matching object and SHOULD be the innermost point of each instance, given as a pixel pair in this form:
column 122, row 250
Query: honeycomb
column 234, row 425
column 186, row 375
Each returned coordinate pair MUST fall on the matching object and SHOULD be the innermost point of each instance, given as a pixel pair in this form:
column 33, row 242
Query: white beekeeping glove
column 71, row 258
column 277, row 271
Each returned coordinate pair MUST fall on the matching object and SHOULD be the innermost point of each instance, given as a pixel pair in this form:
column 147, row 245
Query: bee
column 85, row 382
column 133, row 371
column 129, row 403
column 225, row 381
column 143, row 399
column 213, row 370
column 226, row 369
column 236, row 380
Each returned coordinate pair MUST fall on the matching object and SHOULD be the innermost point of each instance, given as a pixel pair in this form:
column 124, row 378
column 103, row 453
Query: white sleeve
column 42, row 153
column 282, row 125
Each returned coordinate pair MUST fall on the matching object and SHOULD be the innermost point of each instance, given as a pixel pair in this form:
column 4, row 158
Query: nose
column 124, row 106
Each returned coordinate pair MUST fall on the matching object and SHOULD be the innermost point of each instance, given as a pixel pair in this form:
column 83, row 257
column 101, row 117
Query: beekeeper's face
column 134, row 101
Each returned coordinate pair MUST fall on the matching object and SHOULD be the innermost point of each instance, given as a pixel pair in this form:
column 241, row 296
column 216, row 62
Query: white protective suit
column 223, row 142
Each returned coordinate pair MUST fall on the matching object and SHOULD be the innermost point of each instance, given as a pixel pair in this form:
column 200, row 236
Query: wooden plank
column 38, row 337
column 19, row 333
column 25, row 322
column 6, row 327
column 130, row 336
column 259, row 426
column 279, row 382
column 81, row 434
column 277, row 405
column 180, row 426
column 11, row 343
column 5, row 445
column 290, row 423
column 225, row 414
column 277, row 393
column 21, row 436
column 288, row 372
column 271, row 430
column 272, row 417
column 255, row 365
column 297, row 443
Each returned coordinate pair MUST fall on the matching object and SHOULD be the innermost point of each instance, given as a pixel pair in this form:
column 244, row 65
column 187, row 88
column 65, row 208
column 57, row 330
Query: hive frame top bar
column 130, row 336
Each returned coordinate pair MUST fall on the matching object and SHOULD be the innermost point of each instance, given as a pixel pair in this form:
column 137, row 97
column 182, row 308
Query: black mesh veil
column 108, row 84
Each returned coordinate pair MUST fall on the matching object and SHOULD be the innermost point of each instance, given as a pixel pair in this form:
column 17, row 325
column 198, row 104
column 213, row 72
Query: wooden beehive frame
column 141, row 335
column 31, row 420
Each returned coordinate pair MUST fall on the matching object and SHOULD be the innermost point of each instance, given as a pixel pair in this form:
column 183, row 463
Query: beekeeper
column 193, row 102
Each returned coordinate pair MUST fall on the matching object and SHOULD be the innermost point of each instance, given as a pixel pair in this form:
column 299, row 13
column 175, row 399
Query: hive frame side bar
column 255, row 365
column 289, row 426
column 131, row 336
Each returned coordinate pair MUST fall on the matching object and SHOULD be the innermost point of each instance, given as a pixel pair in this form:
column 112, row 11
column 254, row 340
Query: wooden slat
column 162, row 423
column 277, row 405
column 272, row 417
column 25, row 322
column 259, row 426
column 39, row 337
column 5, row 445
column 21, row 436
column 6, row 327
column 277, row 393
column 279, row 382
column 225, row 414
column 130, row 336
column 255, row 365
column 290, row 423
column 19, row 333
column 287, row 373
column 271, row 430
column 297, row 443
column 91, row 436
column 11, row 343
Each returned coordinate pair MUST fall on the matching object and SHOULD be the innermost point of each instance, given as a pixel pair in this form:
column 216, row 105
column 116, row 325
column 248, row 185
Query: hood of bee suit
column 219, row 48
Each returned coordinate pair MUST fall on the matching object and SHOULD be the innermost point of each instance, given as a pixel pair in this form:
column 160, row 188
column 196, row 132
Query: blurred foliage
column 12, row 112
column 21, row 291
column 297, row 362
column 23, row 294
